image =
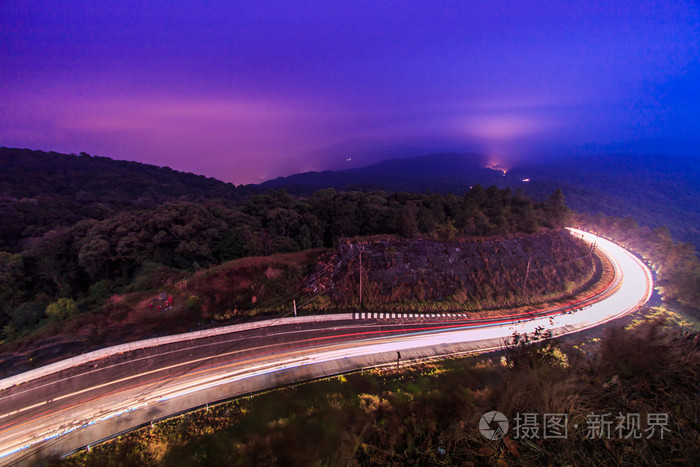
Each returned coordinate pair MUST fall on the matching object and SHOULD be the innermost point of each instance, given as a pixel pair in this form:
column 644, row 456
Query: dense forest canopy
column 40, row 190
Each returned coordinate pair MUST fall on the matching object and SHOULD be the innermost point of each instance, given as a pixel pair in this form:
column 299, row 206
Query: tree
column 524, row 213
column 93, row 257
column 446, row 231
column 282, row 222
column 62, row 308
column 13, row 282
column 556, row 209
column 230, row 246
column 407, row 223
column 24, row 317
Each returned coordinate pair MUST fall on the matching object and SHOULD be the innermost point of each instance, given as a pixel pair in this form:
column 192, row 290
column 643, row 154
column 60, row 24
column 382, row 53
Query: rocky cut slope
column 466, row 274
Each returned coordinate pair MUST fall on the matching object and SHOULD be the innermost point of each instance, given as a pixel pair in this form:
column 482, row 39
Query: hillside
column 653, row 190
column 227, row 293
column 79, row 230
column 479, row 275
column 466, row 274
column 43, row 190
column 86, row 229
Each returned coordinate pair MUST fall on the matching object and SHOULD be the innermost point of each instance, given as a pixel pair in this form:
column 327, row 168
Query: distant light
column 348, row 159
column 497, row 166
column 525, row 179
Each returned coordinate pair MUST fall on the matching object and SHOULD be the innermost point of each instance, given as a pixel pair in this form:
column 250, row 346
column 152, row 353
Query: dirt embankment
column 460, row 274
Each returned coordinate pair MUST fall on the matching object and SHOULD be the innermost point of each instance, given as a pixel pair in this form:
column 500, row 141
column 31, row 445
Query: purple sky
column 246, row 91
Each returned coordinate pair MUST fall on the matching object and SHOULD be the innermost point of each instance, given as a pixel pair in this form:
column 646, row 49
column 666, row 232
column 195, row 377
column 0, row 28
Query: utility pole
column 593, row 245
column 527, row 272
column 294, row 303
column 360, row 279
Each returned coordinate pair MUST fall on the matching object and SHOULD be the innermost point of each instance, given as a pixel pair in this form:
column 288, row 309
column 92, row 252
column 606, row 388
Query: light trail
column 46, row 412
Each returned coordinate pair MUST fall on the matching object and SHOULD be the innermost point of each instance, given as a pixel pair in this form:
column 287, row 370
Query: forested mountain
column 80, row 228
column 40, row 191
column 43, row 190
column 654, row 190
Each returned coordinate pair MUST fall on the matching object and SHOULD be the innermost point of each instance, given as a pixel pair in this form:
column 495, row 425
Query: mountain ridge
column 654, row 190
column 396, row 174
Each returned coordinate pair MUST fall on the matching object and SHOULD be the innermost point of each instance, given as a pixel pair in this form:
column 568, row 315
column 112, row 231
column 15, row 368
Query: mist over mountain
column 352, row 154
column 444, row 173
column 653, row 190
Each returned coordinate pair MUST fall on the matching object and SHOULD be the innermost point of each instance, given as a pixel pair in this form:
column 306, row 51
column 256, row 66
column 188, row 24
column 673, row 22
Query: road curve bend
column 75, row 403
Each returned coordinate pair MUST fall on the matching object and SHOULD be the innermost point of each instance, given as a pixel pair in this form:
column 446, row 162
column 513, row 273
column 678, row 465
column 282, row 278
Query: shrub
column 25, row 317
column 62, row 308
column 100, row 290
column 192, row 302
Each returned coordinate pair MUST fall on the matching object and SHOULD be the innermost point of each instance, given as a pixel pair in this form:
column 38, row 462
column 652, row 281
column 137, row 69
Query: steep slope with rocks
column 467, row 274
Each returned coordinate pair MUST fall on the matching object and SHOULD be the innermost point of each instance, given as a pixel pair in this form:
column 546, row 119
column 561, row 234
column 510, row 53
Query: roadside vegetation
column 428, row 413
column 245, row 288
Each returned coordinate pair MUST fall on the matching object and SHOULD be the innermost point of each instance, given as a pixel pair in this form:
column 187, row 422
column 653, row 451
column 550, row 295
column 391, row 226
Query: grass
column 428, row 413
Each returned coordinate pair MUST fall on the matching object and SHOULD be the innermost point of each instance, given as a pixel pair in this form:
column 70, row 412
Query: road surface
column 71, row 404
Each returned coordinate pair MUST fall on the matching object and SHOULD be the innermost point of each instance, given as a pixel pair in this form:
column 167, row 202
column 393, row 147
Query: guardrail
column 157, row 341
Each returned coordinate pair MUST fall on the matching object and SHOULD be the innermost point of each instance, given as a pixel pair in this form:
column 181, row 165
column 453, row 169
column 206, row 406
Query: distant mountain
column 654, row 190
column 354, row 153
column 440, row 172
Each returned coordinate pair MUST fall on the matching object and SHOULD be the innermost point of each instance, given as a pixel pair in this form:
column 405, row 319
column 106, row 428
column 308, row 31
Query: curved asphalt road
column 64, row 407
